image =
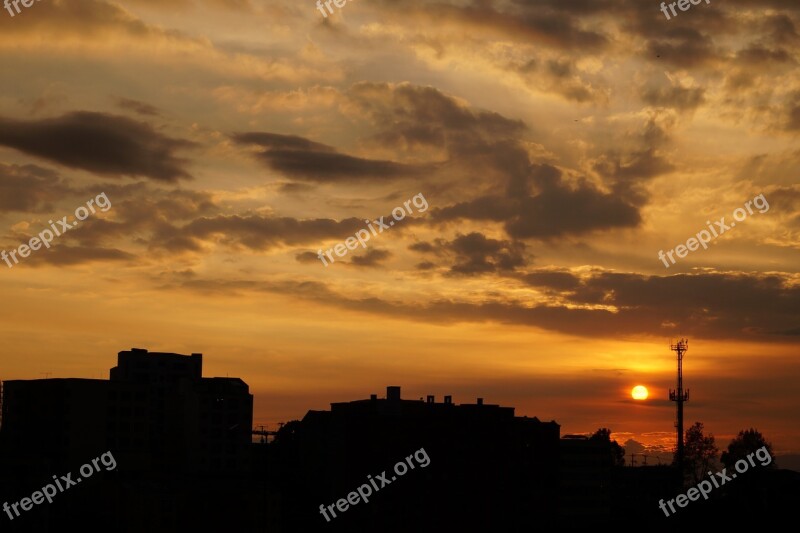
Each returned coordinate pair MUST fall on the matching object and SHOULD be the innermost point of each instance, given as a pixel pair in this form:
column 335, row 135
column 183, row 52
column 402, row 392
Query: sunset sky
column 559, row 146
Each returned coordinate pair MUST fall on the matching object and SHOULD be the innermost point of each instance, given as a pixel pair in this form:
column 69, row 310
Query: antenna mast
column 679, row 396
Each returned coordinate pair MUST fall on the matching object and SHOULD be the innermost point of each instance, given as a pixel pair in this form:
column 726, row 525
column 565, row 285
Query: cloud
column 138, row 107
column 307, row 257
column 412, row 116
column 373, row 258
column 561, row 76
column 682, row 98
column 627, row 171
column 555, row 281
column 757, row 55
column 86, row 18
column 255, row 232
column 559, row 210
column 684, row 47
column 104, row 144
column 791, row 112
column 521, row 22
column 540, row 205
column 604, row 305
column 300, row 158
column 781, row 29
column 539, row 200
column 29, row 188
column 274, row 141
column 141, row 215
column 475, row 254
column 61, row 255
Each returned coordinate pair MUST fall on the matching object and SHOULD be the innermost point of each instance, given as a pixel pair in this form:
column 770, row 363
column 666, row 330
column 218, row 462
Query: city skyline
column 561, row 147
column 660, row 451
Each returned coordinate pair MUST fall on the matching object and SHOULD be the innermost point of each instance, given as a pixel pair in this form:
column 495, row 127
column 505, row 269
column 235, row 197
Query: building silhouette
column 156, row 412
column 486, row 465
column 182, row 445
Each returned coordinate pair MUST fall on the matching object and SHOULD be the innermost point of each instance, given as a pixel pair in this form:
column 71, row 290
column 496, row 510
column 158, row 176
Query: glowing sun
column 639, row 392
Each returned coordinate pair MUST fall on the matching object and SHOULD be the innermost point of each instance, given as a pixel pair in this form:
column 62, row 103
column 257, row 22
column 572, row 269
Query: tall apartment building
column 155, row 413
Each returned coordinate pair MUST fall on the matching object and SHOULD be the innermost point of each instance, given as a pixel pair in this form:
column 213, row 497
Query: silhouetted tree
column 617, row 452
column 746, row 442
column 699, row 453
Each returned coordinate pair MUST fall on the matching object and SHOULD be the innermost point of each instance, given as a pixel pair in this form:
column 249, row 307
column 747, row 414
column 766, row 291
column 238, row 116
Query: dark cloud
column 630, row 172
column 791, row 112
column 711, row 306
column 94, row 232
column 756, row 55
column 138, row 107
column 105, row 144
column 539, row 202
column 578, row 7
column 307, row 257
column 754, row 304
column 560, row 69
column 255, row 232
column 556, row 281
column 148, row 216
column 559, row 210
column 61, row 255
column 681, row 98
column 29, row 188
column 85, row 18
column 180, row 221
column 475, row 254
column 786, row 199
column 764, row 4
column 143, row 215
column 411, row 136
column 683, row 47
column 541, row 206
column 295, row 188
column 424, row 247
column 638, row 166
column 373, row 258
column 627, row 172
column 303, row 159
column 520, row 21
column 560, row 76
column 274, row 141
column 494, row 208
column 781, row 29
column 537, row 26
column 423, row 116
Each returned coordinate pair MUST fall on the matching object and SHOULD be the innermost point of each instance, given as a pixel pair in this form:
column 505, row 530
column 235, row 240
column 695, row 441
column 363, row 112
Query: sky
column 552, row 166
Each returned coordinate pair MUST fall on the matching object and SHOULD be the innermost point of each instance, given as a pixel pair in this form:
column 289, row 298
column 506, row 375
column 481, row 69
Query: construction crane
column 645, row 455
column 265, row 434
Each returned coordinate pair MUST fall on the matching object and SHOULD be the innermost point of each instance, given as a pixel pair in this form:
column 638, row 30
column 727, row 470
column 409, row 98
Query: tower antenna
column 679, row 396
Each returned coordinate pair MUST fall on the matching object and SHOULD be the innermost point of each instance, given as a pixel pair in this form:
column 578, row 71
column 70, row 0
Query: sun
column 639, row 392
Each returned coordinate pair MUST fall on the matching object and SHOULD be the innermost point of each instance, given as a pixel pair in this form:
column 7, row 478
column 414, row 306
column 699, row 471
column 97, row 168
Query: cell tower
column 679, row 396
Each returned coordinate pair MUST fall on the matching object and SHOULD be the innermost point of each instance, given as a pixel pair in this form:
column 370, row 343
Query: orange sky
column 559, row 145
